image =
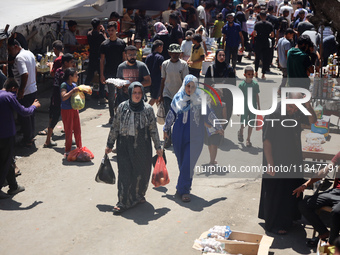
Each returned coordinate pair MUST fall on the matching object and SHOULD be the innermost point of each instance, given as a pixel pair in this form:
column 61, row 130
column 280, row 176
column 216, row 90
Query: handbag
column 105, row 173
column 161, row 114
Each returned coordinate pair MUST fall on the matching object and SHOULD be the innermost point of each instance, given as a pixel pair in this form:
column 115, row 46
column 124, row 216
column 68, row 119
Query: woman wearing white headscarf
column 188, row 131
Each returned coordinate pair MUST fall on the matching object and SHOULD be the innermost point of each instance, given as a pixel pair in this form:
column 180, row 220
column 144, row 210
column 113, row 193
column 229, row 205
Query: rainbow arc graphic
column 209, row 93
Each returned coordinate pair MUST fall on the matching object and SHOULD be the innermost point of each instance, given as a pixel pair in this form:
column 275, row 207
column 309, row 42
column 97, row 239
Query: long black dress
column 223, row 74
column 278, row 207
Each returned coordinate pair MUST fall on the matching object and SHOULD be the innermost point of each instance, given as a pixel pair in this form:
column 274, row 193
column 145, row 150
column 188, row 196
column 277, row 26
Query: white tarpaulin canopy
column 18, row 12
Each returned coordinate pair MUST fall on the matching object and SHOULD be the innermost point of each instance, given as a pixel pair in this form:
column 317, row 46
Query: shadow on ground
column 141, row 214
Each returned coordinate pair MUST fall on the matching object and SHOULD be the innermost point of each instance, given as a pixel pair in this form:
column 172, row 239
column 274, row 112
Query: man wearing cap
column 173, row 72
column 232, row 37
column 70, row 41
column 154, row 63
column 24, row 72
column 95, row 37
column 111, row 55
column 131, row 70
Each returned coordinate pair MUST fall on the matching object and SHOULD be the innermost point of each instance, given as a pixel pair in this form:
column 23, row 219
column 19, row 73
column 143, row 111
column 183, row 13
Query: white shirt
column 186, row 48
column 25, row 63
column 297, row 13
column 174, row 74
column 201, row 15
column 279, row 7
column 290, row 9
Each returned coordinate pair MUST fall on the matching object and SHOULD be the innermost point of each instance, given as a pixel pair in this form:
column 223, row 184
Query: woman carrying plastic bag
column 133, row 127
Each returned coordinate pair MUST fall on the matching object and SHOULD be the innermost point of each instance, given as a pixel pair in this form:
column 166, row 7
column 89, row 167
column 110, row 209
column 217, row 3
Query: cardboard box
column 244, row 243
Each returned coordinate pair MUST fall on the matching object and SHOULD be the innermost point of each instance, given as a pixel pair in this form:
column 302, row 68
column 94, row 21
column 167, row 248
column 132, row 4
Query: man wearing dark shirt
column 176, row 34
column 232, row 37
column 299, row 65
column 263, row 31
column 154, row 63
column 309, row 205
column 111, row 55
column 330, row 46
column 95, row 37
column 275, row 22
column 132, row 70
column 8, row 104
column 305, row 25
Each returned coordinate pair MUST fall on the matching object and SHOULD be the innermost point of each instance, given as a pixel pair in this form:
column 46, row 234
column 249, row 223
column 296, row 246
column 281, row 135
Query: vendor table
column 331, row 148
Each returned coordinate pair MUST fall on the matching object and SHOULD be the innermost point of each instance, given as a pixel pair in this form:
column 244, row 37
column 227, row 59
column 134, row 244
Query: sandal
column 186, row 198
column 50, row 145
column 240, row 136
column 249, row 144
column 117, row 210
column 43, row 132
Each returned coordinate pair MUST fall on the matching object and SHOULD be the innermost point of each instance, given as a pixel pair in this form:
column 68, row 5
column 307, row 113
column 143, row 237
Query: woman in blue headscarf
column 188, row 131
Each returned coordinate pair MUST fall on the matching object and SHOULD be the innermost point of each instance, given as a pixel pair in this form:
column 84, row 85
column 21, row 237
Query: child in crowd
column 247, row 116
column 138, row 45
column 154, row 63
column 196, row 57
column 69, row 116
column 213, row 136
column 218, row 25
column 187, row 45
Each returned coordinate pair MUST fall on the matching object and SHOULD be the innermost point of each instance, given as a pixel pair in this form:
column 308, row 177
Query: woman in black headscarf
column 133, row 127
column 222, row 73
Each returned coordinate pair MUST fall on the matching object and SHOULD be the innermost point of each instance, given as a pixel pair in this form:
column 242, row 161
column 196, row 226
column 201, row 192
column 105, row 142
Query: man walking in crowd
column 8, row 104
column 300, row 8
column 286, row 7
column 309, row 205
column 305, row 25
column 232, row 37
column 131, row 70
column 173, row 72
column 282, row 147
column 111, row 55
column 95, row 37
column 202, row 16
column 299, row 65
column 154, row 63
column 263, row 32
column 24, row 72
column 283, row 46
column 70, row 41
column 176, row 34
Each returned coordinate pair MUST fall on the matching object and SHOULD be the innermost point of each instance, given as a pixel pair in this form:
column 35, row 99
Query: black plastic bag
column 105, row 173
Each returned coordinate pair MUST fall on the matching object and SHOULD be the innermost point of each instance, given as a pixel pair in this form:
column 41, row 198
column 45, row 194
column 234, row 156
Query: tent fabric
column 149, row 5
column 19, row 12
column 85, row 13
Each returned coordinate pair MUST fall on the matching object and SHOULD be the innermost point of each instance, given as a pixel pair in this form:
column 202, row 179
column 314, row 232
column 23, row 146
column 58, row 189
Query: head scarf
column 160, row 28
column 219, row 66
column 182, row 101
column 136, row 107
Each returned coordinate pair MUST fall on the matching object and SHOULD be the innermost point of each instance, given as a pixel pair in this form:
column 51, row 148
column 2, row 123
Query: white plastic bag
column 161, row 114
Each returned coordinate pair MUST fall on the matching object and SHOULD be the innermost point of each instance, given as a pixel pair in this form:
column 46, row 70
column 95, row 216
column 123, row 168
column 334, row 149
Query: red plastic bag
column 259, row 122
column 72, row 156
column 80, row 154
column 160, row 176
